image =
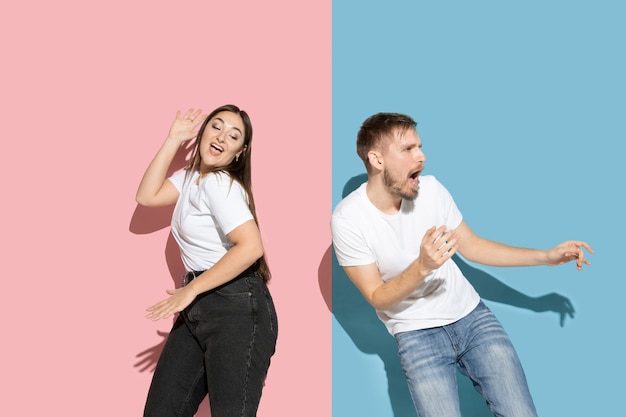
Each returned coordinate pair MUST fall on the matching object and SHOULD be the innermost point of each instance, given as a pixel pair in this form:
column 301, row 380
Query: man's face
column 403, row 162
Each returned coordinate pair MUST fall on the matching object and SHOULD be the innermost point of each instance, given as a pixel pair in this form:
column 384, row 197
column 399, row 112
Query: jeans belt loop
column 190, row 276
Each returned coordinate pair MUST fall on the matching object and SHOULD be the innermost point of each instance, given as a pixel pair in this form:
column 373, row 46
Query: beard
column 398, row 187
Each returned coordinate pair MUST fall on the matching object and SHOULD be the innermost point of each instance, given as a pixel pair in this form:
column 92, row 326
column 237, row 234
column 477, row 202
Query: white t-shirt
column 363, row 235
column 204, row 215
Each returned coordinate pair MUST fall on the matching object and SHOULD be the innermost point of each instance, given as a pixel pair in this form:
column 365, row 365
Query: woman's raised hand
column 184, row 126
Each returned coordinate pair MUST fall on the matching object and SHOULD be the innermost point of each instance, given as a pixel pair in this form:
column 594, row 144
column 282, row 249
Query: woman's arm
column 154, row 189
column 247, row 248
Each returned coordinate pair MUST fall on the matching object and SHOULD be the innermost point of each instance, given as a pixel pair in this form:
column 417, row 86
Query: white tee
column 204, row 215
column 363, row 235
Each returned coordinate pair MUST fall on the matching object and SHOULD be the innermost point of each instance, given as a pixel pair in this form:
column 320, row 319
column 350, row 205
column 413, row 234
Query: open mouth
column 413, row 175
column 413, row 180
column 217, row 148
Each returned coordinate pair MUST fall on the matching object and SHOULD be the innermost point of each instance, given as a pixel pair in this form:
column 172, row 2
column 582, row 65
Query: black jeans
column 221, row 345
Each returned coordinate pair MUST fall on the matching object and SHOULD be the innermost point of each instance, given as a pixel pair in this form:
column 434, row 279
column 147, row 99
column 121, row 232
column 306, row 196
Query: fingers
column 436, row 233
column 584, row 245
column 572, row 250
column 160, row 314
column 446, row 240
column 191, row 114
column 577, row 253
column 581, row 260
column 580, row 254
column 438, row 245
column 185, row 125
column 178, row 300
column 199, row 120
column 162, row 310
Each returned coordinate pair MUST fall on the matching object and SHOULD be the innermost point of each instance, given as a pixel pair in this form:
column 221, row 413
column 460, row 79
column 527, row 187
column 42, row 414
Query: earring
column 237, row 158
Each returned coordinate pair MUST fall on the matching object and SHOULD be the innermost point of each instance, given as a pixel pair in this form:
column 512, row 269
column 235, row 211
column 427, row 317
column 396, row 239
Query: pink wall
column 88, row 93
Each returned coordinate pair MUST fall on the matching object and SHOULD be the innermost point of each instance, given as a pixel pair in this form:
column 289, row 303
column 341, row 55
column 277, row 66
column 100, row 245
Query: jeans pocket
column 226, row 304
column 271, row 310
column 237, row 288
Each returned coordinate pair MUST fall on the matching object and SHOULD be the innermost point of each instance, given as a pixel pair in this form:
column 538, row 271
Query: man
column 395, row 237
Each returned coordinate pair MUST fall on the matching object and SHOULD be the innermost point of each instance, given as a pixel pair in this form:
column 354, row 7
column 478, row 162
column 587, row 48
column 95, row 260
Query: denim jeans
column 221, row 344
column 480, row 348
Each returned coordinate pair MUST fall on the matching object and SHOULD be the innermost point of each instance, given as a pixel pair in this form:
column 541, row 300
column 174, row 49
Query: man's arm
column 489, row 252
column 437, row 247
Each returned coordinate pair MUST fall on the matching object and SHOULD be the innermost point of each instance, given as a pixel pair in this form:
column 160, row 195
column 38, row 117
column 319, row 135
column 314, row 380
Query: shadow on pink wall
column 146, row 220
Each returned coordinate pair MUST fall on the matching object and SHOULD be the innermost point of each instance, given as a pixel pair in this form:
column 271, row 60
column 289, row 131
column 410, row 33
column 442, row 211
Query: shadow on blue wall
column 369, row 335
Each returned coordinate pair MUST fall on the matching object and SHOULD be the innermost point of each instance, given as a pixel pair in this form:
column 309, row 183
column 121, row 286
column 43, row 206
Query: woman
column 225, row 334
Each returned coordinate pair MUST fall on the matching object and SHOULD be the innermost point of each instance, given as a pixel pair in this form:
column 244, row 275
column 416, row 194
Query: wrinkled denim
column 221, row 344
column 480, row 348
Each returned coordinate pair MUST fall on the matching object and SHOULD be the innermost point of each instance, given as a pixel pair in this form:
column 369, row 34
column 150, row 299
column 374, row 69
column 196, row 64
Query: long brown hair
column 239, row 169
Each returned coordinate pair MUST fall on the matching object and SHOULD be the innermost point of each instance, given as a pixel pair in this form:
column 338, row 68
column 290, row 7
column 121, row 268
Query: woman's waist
column 250, row 272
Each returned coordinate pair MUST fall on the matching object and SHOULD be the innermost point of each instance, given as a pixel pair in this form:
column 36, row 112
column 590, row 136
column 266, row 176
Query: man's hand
column 569, row 251
column 438, row 245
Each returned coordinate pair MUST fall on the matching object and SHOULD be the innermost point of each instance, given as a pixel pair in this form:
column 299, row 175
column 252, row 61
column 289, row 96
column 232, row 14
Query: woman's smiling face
column 222, row 141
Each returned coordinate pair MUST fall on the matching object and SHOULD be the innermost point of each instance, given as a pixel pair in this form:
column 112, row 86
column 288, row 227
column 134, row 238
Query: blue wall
column 520, row 107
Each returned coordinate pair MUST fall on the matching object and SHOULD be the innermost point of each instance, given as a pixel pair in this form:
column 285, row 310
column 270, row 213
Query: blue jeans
column 481, row 349
column 221, row 345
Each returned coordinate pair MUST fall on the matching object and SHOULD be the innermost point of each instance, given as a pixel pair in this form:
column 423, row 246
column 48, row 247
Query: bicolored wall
column 520, row 108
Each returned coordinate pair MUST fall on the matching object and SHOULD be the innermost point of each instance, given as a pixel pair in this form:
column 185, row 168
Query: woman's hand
column 179, row 299
column 184, row 127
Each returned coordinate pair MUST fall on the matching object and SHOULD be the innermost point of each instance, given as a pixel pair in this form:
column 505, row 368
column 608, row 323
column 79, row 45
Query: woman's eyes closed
column 233, row 136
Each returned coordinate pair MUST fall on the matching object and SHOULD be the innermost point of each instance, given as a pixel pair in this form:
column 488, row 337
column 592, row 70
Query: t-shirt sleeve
column 178, row 179
column 350, row 246
column 227, row 202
